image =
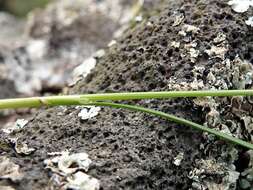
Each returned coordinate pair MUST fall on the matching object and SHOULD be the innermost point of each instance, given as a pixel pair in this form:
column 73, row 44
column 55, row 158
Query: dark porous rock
column 132, row 150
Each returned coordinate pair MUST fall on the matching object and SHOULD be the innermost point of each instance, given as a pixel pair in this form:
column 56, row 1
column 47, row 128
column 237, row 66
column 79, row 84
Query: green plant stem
column 92, row 99
column 178, row 120
column 75, row 99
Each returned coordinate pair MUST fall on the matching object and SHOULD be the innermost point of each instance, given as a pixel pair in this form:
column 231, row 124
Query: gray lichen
column 228, row 115
column 246, row 181
column 69, row 171
column 205, row 169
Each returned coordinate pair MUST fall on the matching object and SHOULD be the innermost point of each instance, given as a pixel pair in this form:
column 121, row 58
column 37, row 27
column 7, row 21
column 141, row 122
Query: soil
column 133, row 150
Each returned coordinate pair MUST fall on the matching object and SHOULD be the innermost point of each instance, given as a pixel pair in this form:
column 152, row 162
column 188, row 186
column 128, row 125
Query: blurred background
column 21, row 8
column 47, row 46
column 42, row 41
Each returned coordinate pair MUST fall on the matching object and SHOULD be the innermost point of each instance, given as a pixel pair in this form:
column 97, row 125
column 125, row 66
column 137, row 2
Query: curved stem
column 91, row 99
column 178, row 120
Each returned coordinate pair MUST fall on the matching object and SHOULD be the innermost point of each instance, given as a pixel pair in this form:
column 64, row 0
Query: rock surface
column 135, row 151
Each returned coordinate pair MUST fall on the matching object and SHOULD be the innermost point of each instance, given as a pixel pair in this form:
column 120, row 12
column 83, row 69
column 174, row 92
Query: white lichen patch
column 68, row 164
column 149, row 24
column 217, row 75
column 240, row 6
column 175, row 44
column 190, row 28
column 82, row 181
column 69, row 171
column 178, row 159
column 211, row 78
column 89, row 112
column 57, row 153
column 182, row 33
column 219, row 47
column 205, row 102
column 194, row 53
column 217, row 51
column 9, row 170
column 194, row 85
column 98, row 54
column 112, row 43
column 37, row 49
column 179, row 17
column 221, row 37
column 187, row 28
column 18, row 125
column 191, row 45
column 84, row 69
column 249, row 22
column 198, row 70
column 138, row 18
column 22, row 148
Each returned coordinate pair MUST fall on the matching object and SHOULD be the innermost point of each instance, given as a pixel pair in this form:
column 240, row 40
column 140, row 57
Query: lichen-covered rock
column 135, row 151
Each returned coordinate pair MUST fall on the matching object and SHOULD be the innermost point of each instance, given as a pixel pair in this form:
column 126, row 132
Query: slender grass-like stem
column 75, row 99
column 178, row 120
column 95, row 99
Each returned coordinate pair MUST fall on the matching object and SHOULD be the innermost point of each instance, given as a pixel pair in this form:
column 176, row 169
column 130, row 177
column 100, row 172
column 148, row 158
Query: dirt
column 132, row 150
